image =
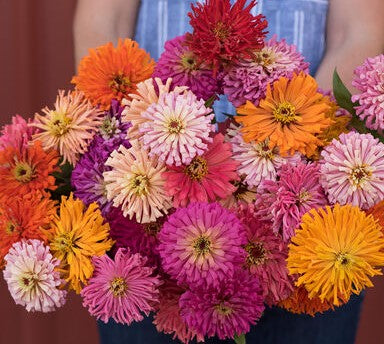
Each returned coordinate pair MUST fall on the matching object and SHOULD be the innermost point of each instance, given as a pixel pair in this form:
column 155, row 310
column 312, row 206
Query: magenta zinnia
column 122, row 289
column 201, row 244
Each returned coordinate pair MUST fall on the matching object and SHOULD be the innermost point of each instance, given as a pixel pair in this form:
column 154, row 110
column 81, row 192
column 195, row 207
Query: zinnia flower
column 180, row 63
column 135, row 184
column 369, row 80
column 352, row 170
column 242, row 195
column 206, row 178
column 201, row 244
column 248, row 79
column 27, row 170
column 378, row 213
column 290, row 116
column 25, row 216
column 148, row 93
column 76, row 235
column 266, row 255
column 335, row 252
column 177, row 128
column 223, row 34
column 69, row 127
column 18, row 134
column 112, row 73
column 121, row 289
column 225, row 311
column 32, row 277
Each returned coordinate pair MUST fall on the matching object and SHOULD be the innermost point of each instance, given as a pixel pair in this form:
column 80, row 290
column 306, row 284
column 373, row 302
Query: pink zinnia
column 32, row 276
column 225, row 311
column 180, row 63
column 177, row 128
column 285, row 201
column 352, row 170
column 18, row 134
column 206, row 178
column 248, row 79
column 266, row 255
column 201, row 244
column 121, row 289
column 369, row 80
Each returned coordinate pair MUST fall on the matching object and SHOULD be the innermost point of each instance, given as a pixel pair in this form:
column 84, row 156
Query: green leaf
column 210, row 101
column 63, row 181
column 342, row 94
column 240, row 339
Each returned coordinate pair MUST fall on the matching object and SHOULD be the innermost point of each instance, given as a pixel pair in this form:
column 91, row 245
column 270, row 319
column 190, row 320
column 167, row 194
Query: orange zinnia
column 377, row 212
column 26, row 170
column 112, row 73
column 291, row 116
column 24, row 217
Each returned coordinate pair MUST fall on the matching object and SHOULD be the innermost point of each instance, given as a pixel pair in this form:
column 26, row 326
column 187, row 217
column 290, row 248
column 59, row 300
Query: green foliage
column 63, row 181
column 240, row 339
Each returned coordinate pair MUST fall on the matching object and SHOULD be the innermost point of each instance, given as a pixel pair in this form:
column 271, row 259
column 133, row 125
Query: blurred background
column 36, row 59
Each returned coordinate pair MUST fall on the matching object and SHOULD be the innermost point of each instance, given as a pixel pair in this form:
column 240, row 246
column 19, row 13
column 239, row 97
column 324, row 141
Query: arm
column 97, row 22
column 355, row 31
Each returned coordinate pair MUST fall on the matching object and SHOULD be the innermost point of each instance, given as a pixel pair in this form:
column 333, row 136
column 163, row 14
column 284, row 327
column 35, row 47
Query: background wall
column 36, row 59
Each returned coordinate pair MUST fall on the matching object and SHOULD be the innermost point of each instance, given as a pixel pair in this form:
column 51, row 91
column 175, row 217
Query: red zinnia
column 224, row 34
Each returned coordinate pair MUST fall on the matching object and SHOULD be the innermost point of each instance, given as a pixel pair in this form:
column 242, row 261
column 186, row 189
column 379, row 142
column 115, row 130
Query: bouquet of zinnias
column 128, row 192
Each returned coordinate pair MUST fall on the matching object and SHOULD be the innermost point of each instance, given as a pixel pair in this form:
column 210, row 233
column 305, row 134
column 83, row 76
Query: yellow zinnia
column 291, row 116
column 78, row 234
column 335, row 252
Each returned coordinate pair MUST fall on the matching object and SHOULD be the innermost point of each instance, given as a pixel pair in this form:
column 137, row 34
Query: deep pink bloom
column 352, row 170
column 266, row 255
column 201, row 244
column 180, row 63
column 206, row 178
column 122, row 289
column 225, row 311
column 369, row 80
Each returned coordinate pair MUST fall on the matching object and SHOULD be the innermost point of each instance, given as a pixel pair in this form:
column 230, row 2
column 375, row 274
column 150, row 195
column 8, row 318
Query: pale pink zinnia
column 225, row 311
column 352, row 170
column 122, row 289
column 369, row 80
column 248, row 79
column 177, row 128
column 32, row 276
column 69, row 127
column 147, row 93
column 266, row 256
column 18, row 134
column 207, row 178
column 135, row 183
column 201, row 244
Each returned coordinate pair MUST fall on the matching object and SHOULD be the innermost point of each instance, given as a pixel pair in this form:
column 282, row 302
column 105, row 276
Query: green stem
column 240, row 339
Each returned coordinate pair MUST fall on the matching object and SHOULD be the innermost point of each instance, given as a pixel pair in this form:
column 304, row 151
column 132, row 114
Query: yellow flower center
column 304, row 196
column 118, row 286
column 256, row 253
column 10, row 227
column 263, row 150
column 221, row 31
column 64, row 243
column 285, row 113
column 188, row 61
column 197, row 169
column 139, row 184
column 342, row 259
column 264, row 57
column 152, row 228
column 23, row 172
column 360, row 174
column 108, row 127
column 119, row 83
column 28, row 281
column 202, row 245
column 59, row 124
column 223, row 309
column 175, row 126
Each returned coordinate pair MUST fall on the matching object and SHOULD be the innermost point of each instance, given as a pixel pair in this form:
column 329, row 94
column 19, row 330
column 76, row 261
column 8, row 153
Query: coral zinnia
column 206, row 178
column 32, row 278
column 201, row 244
column 378, row 213
column 27, row 170
column 352, row 170
column 335, row 252
column 135, row 183
column 177, row 128
column 223, row 34
column 225, row 311
column 69, row 127
column 182, row 65
column 112, row 73
column 369, row 80
column 78, row 234
column 290, row 116
column 24, row 217
column 121, row 289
